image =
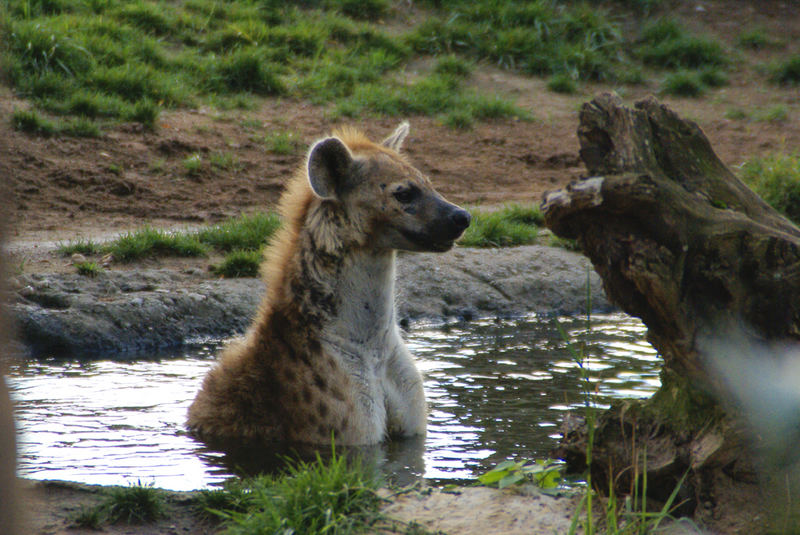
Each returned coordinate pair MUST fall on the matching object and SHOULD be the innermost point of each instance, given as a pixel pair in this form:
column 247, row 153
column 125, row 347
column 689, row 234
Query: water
column 495, row 390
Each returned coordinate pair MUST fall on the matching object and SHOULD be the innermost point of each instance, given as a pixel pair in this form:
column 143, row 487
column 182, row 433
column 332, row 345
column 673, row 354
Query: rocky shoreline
column 127, row 313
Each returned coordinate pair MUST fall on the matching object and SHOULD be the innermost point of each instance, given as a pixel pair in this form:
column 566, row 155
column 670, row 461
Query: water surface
column 496, row 390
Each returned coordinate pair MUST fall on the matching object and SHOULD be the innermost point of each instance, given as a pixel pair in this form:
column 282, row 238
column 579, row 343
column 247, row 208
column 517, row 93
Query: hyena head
column 390, row 202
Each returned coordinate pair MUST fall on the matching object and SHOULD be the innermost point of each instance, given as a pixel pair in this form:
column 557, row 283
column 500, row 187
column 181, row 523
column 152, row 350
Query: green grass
column 89, row 518
column 88, row 269
column 244, row 237
column 31, row 122
column 452, row 65
column 81, row 246
column 538, row 37
column 437, row 94
column 325, row 496
column 562, row 83
column 224, row 160
column 737, row 114
column 282, row 142
column 151, row 242
column 129, row 60
column 136, row 504
column 509, row 226
column 665, row 44
column 773, row 114
column 459, row 119
column 683, row 84
column 248, row 232
column 757, row 39
column 193, row 163
column 786, row 72
column 80, row 127
column 776, row 179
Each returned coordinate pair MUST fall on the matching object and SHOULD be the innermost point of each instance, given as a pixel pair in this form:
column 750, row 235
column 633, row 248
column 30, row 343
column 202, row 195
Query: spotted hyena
column 324, row 356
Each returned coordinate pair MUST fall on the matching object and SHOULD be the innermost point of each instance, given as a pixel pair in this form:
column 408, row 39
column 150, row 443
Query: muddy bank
column 463, row 511
column 131, row 312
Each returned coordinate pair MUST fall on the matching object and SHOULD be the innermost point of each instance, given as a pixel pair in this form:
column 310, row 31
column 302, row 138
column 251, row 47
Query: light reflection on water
column 495, row 390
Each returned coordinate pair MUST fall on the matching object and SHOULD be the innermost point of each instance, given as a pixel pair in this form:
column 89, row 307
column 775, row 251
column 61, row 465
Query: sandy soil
column 64, row 188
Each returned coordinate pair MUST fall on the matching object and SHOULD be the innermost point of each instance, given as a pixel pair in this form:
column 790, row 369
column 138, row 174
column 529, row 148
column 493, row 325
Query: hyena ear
column 395, row 141
column 328, row 164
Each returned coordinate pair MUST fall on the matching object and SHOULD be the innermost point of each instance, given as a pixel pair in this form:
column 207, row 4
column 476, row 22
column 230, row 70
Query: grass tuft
column 81, row 246
column 88, row 518
column 148, row 242
column 216, row 504
column 434, row 95
column 30, row 122
column 562, row 83
column 249, row 232
column 239, row 264
column 539, row 37
column 786, row 72
column 136, row 504
column 283, row 142
column 452, row 65
column 246, row 233
column 193, row 163
column 144, row 111
column 665, row 44
column 757, row 39
column 80, row 127
column 509, row 226
column 334, row 496
column 683, row 84
column 773, row 114
column 88, row 269
column 247, row 70
column 776, row 179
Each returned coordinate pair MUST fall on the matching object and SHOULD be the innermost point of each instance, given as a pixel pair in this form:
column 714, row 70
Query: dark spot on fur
column 312, row 418
column 324, row 430
column 322, row 408
column 288, row 375
column 337, row 394
column 383, row 186
column 307, row 394
column 320, row 382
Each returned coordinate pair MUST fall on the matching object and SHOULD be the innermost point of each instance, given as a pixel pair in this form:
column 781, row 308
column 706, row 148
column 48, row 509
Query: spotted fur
column 324, row 357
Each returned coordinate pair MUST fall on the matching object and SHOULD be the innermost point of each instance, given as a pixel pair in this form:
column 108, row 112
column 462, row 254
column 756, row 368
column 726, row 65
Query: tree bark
column 683, row 244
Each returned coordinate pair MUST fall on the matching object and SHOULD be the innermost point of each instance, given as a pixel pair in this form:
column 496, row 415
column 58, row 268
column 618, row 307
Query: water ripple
column 496, row 389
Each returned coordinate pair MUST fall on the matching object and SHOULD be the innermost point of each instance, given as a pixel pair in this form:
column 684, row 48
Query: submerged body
column 324, row 358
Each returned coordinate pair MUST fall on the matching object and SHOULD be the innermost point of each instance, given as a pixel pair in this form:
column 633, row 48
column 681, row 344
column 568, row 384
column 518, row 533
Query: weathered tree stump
column 683, row 244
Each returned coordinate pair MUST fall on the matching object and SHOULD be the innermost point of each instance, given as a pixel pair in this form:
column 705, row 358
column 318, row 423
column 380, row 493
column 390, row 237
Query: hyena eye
column 407, row 195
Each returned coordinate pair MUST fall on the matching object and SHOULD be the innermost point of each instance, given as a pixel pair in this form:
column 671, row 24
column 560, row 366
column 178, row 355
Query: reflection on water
column 495, row 390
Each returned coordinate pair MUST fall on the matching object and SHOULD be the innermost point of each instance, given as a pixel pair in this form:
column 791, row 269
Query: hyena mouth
column 442, row 236
column 427, row 242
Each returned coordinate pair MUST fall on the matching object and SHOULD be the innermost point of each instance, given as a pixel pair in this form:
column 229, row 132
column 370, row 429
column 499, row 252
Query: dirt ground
column 64, row 188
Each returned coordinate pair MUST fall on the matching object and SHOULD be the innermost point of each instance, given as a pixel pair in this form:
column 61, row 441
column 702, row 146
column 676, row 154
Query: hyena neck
column 366, row 311
column 344, row 288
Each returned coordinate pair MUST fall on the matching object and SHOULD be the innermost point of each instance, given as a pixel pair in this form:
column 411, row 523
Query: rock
column 131, row 312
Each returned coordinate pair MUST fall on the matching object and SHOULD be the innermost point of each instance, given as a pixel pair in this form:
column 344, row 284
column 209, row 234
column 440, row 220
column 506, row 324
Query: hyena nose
column 460, row 219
